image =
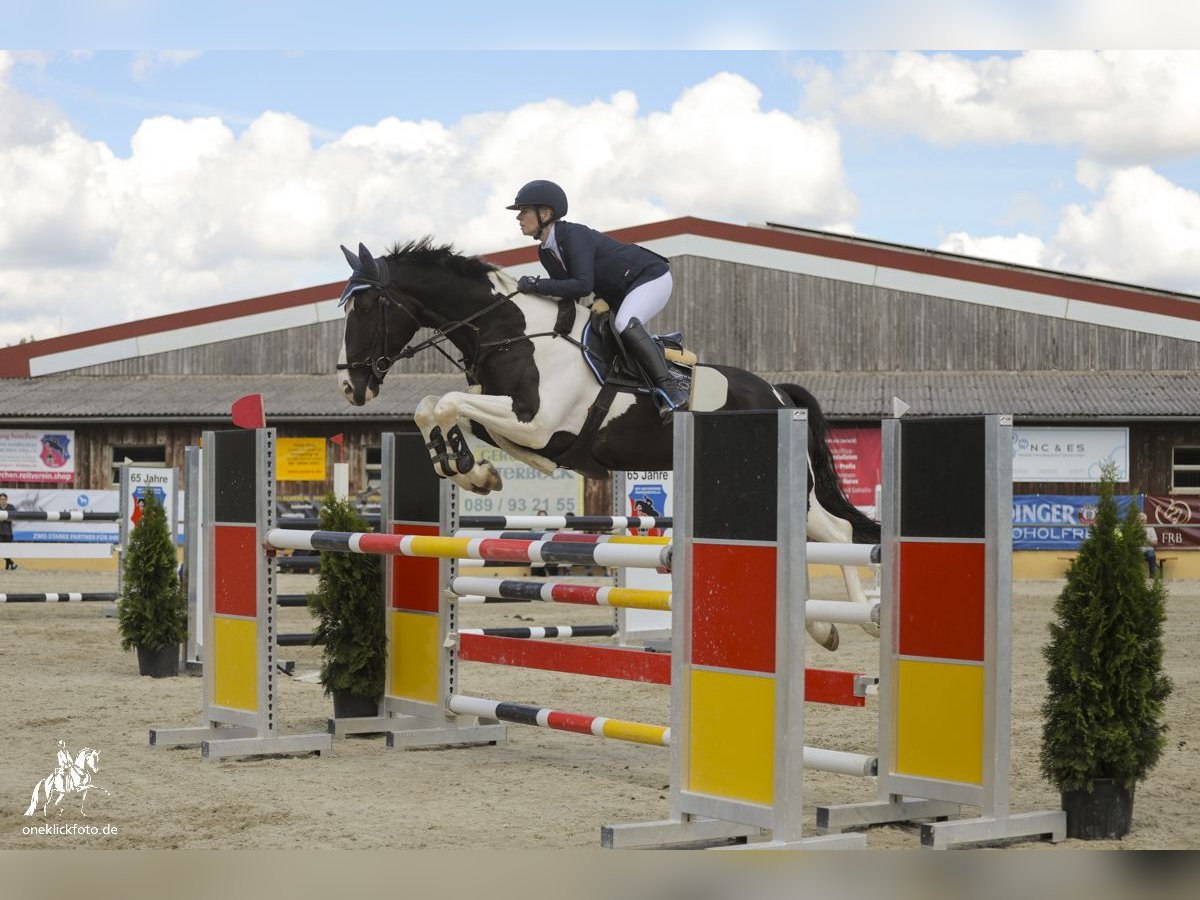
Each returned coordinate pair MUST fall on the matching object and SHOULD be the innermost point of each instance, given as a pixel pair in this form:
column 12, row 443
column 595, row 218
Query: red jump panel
column 941, row 608
column 733, row 606
column 416, row 584
column 235, row 576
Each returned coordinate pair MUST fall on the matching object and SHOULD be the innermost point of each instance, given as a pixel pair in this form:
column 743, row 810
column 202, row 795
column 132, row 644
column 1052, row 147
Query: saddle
column 608, row 361
column 612, row 368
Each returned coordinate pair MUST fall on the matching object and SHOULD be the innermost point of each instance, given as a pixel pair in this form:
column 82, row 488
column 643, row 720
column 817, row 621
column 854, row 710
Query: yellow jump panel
column 939, row 708
column 413, row 668
column 731, row 745
column 235, row 663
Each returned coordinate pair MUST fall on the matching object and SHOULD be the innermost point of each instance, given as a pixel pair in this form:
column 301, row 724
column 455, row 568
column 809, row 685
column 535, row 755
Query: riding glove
column 527, row 284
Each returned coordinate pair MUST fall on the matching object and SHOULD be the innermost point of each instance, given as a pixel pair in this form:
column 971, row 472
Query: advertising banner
column 1069, row 454
column 526, row 491
column 858, row 456
column 645, row 494
column 91, row 532
column 56, row 500
column 33, row 455
column 138, row 483
column 1056, row 521
column 300, row 459
column 648, row 494
column 1175, row 520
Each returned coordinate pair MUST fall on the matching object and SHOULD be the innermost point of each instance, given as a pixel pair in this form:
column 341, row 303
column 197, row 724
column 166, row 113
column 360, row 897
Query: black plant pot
column 353, row 706
column 1104, row 814
column 161, row 662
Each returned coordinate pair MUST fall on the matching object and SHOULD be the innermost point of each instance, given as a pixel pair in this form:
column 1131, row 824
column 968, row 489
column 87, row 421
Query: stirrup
column 666, row 406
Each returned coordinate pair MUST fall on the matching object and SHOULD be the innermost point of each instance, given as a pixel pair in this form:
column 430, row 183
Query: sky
column 140, row 182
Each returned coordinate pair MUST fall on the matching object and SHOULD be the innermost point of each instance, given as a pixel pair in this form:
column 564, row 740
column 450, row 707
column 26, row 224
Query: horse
column 532, row 394
column 75, row 778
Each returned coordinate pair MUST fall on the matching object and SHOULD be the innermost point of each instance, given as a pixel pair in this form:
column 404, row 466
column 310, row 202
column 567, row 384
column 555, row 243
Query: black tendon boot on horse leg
column 670, row 390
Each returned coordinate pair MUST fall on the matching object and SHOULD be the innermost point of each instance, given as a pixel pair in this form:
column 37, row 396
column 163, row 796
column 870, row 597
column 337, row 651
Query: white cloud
column 1023, row 249
column 198, row 214
column 1140, row 228
column 1123, row 106
column 145, row 63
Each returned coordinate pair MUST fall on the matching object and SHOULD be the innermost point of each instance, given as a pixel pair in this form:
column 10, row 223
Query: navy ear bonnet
column 369, row 272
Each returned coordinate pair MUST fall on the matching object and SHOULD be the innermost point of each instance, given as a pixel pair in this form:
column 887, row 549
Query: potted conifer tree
column 348, row 607
column 152, row 613
column 1103, row 728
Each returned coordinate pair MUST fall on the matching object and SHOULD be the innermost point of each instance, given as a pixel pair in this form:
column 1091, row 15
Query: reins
column 381, row 364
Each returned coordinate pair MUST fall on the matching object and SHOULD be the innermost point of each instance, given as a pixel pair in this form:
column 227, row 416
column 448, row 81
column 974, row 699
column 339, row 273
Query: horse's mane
column 425, row 253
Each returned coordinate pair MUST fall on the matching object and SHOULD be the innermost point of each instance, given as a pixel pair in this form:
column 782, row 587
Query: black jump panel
column 416, row 490
column 736, row 464
column 943, row 478
column 235, row 458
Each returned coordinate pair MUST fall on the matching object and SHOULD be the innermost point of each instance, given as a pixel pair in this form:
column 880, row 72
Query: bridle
column 379, row 364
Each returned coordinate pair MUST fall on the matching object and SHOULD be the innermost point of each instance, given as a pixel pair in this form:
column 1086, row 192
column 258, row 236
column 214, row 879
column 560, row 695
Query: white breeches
column 645, row 301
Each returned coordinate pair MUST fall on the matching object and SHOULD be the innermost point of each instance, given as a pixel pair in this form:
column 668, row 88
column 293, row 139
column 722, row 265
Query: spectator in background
column 1148, row 549
column 6, row 532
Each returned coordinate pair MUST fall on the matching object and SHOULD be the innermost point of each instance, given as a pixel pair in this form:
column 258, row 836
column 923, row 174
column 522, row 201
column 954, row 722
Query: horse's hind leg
column 855, row 589
column 825, row 527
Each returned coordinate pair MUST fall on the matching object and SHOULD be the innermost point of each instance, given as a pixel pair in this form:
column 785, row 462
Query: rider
column 65, row 766
column 635, row 282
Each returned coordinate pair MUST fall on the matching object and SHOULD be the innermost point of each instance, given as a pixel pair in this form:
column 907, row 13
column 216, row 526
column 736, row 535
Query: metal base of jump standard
column 241, row 698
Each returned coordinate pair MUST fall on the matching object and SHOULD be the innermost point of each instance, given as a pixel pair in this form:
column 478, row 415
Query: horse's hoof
column 490, row 480
column 871, row 628
column 831, row 642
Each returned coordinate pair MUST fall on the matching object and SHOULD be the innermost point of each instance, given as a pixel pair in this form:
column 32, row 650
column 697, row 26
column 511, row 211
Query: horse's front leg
column 495, row 413
column 435, row 439
column 449, row 453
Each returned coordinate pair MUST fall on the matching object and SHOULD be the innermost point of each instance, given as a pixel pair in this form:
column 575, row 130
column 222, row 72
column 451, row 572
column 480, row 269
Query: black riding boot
column 670, row 390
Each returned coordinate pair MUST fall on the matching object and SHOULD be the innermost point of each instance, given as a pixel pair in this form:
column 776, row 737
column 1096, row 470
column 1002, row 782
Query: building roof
column 1026, row 395
column 843, row 395
column 206, row 397
column 840, row 257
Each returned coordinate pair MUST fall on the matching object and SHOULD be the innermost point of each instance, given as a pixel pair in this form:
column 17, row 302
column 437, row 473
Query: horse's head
column 87, row 759
column 380, row 320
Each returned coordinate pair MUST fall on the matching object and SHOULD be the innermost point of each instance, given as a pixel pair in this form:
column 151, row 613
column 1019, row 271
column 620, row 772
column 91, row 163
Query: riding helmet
column 542, row 193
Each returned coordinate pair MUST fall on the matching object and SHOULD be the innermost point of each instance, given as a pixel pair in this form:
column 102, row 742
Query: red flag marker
column 248, row 412
column 338, row 439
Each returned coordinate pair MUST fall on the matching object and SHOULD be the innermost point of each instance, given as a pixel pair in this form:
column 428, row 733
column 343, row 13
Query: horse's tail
column 33, row 803
column 827, row 484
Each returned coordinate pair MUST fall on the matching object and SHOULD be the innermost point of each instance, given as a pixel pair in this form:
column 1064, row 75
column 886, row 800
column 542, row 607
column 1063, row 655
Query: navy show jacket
column 595, row 263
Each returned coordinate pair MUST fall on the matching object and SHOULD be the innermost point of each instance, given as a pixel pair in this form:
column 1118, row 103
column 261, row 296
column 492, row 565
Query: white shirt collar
column 551, row 244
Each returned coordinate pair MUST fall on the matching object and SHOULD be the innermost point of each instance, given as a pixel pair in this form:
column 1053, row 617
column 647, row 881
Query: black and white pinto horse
column 530, row 390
